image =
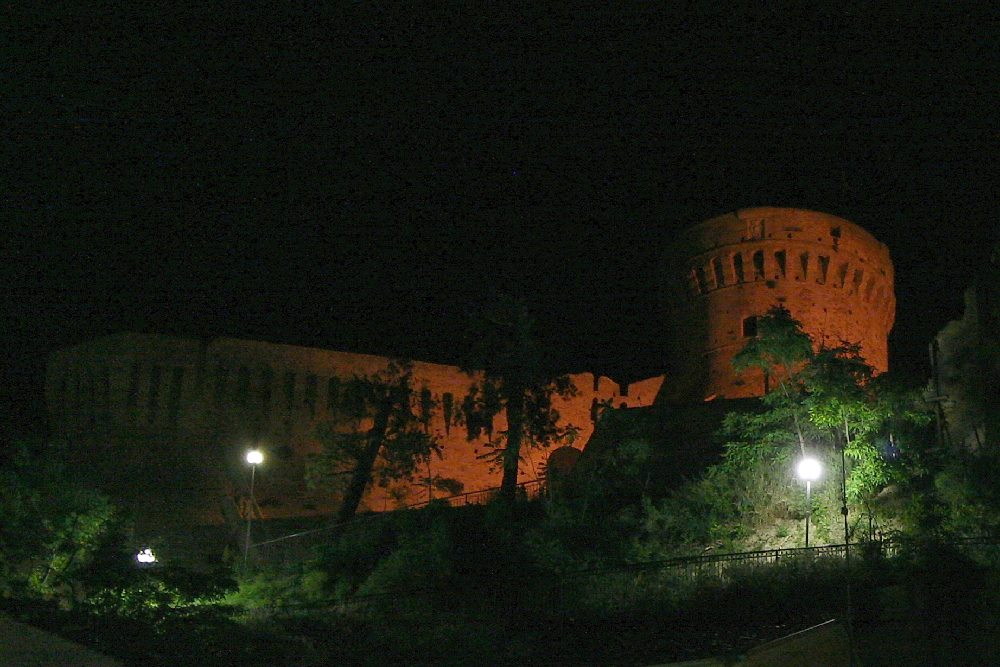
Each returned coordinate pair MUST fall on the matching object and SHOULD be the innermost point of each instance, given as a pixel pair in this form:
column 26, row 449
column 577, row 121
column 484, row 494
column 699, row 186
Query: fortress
column 178, row 413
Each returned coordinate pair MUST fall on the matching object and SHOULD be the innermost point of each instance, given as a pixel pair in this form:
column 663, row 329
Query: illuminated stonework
column 832, row 275
column 183, row 412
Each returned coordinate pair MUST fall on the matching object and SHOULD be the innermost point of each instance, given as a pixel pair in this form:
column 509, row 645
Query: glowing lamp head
column 146, row 556
column 809, row 469
column 255, row 457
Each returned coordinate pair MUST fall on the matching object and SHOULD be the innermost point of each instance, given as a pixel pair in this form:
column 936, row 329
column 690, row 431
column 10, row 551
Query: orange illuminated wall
column 162, row 403
column 831, row 274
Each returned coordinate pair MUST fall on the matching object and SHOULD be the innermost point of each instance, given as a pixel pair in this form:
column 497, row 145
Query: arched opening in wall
column 869, row 290
column 702, row 281
column 859, row 277
column 824, row 269
column 780, row 258
column 750, row 326
column 804, row 261
column 842, row 275
column 758, row 265
column 738, row 267
column 720, row 278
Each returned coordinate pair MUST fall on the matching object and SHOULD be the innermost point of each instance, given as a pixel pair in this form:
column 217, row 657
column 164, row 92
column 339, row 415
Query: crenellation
column 828, row 283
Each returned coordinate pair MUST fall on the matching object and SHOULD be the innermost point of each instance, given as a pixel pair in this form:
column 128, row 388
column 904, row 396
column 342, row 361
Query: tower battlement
column 832, row 275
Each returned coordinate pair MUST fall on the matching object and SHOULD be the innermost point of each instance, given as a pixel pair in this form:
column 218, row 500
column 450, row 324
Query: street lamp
column 254, row 457
column 808, row 470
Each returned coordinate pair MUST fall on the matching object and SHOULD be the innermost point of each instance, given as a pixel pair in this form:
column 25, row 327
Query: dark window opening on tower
column 750, row 326
column 702, row 283
column 842, row 275
column 779, row 257
column 720, row 278
column 804, row 260
column 859, row 277
column 758, row 265
column 824, row 268
column 738, row 267
column 310, row 394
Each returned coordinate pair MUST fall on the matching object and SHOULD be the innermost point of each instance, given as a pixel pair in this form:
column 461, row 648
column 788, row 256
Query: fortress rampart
column 832, row 275
column 180, row 413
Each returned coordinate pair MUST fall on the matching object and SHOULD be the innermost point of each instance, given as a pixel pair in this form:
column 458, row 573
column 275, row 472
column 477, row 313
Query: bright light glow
column 255, row 457
column 145, row 556
column 809, row 469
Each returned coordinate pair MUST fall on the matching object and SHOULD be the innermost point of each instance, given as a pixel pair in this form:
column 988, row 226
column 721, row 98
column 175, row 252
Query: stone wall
column 829, row 273
column 183, row 411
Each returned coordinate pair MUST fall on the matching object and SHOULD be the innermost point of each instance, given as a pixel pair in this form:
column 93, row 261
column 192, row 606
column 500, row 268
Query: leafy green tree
column 394, row 446
column 51, row 525
column 779, row 350
column 516, row 372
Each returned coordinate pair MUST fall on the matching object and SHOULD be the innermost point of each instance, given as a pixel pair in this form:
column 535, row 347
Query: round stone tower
column 832, row 275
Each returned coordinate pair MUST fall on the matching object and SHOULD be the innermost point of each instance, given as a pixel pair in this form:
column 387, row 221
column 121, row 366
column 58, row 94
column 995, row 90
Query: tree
column 394, row 445
column 515, row 372
column 830, row 399
column 779, row 350
column 51, row 525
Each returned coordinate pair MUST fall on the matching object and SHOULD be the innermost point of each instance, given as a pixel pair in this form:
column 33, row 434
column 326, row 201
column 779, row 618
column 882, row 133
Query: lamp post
column 808, row 470
column 254, row 457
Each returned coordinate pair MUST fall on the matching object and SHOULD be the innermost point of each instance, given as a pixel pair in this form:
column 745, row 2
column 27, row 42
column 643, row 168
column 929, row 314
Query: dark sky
column 362, row 178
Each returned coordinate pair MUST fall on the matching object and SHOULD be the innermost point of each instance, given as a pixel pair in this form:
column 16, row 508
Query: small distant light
column 255, row 457
column 146, row 556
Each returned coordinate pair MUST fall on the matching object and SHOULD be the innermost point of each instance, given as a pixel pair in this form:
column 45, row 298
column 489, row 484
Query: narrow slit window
column 447, row 410
column 842, row 275
column 702, row 280
column 780, row 258
column 804, row 261
column 869, row 289
column 859, row 277
column 824, row 269
column 310, row 395
column 738, row 267
column 758, row 265
column 720, row 278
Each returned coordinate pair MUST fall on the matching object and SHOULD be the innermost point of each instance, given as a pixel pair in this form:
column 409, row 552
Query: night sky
column 364, row 179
